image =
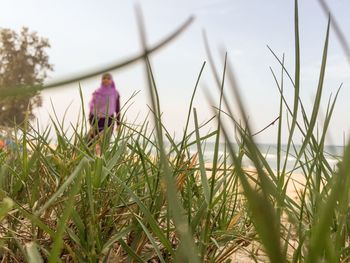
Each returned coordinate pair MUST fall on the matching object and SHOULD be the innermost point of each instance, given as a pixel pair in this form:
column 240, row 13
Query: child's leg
column 98, row 149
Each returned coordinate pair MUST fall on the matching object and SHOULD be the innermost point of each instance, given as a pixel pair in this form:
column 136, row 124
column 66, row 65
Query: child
column 104, row 110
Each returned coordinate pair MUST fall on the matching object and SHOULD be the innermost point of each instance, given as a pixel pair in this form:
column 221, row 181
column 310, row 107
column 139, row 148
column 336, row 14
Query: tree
column 23, row 62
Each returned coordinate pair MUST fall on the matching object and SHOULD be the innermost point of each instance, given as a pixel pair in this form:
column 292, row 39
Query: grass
column 150, row 198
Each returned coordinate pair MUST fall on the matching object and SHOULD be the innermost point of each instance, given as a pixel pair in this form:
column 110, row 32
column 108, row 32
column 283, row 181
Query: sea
column 332, row 153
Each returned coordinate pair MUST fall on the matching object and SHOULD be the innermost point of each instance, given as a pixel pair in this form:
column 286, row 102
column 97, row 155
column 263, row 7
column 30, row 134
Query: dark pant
column 100, row 126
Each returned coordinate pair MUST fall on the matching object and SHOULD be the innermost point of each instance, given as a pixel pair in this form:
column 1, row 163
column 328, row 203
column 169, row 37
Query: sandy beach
column 295, row 186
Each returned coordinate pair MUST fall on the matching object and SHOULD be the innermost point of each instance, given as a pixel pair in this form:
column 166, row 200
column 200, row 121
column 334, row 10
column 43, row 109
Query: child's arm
column 92, row 104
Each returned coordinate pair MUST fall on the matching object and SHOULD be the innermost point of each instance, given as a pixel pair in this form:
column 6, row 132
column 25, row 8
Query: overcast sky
column 85, row 35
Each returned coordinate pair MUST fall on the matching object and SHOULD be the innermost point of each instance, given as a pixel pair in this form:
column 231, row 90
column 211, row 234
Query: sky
column 85, row 35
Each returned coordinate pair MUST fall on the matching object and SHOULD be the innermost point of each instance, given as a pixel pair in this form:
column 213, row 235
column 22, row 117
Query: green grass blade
column 205, row 182
column 151, row 239
column 68, row 208
column 116, row 238
column 33, row 254
column 76, row 173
